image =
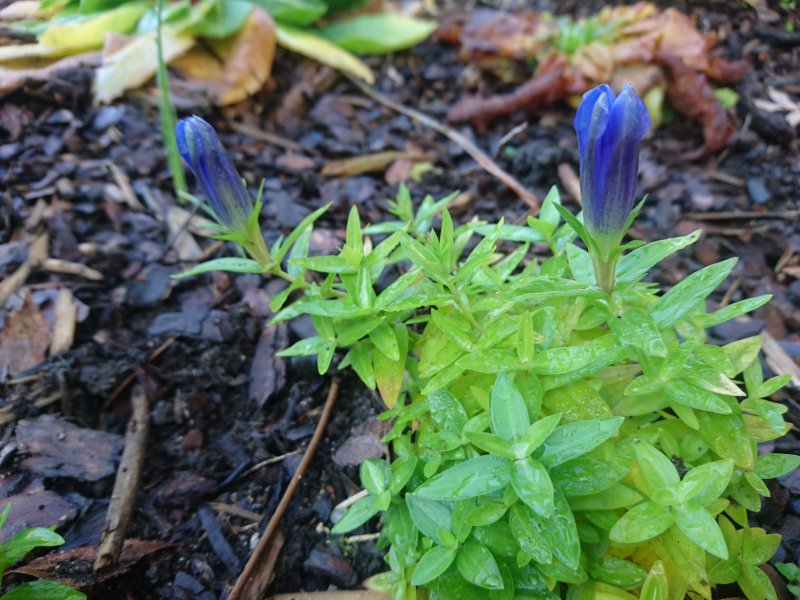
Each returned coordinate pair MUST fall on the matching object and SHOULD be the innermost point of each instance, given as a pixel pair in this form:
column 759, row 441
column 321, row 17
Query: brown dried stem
column 123, row 498
column 254, row 579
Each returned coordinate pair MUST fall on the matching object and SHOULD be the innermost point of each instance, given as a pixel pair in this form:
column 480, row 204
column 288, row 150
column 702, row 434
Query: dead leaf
column 66, row 316
column 31, row 70
column 692, row 97
column 371, row 163
column 780, row 102
column 80, row 562
column 236, row 67
column 25, row 338
column 35, row 508
column 135, row 63
column 268, row 371
column 56, row 448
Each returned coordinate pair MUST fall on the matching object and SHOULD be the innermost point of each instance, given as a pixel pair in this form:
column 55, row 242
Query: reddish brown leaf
column 692, row 97
column 81, row 560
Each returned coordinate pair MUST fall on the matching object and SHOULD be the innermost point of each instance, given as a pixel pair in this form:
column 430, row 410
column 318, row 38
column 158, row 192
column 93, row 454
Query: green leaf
column 770, row 466
column 306, row 223
column 575, row 439
column 477, row 565
column 358, row 514
column 737, row 309
column 294, row 12
column 537, row 433
column 384, row 339
column 656, row 586
column 687, row 394
column 223, row 20
column 728, row 438
column 632, row 267
column 704, row 484
column 528, row 535
column 699, row 526
column 490, row 361
column 584, row 476
column 756, row 584
column 379, row 33
column 486, row 514
column 561, row 532
column 230, row 264
column 43, row 590
column 15, row 549
column 638, row 329
column 533, row 486
column 617, row 571
column 617, row 496
column 361, row 360
column 493, row 444
column 447, row 412
column 429, row 516
column 320, row 49
column 508, row 413
column 557, row 361
column 474, row 477
column 306, row 347
column 644, row 521
column 375, row 474
column 686, row 294
column 88, row 31
column 658, row 473
column 432, row 564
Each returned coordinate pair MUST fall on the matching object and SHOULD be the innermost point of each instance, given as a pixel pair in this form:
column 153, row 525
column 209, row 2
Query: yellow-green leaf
column 91, row 31
column 320, row 49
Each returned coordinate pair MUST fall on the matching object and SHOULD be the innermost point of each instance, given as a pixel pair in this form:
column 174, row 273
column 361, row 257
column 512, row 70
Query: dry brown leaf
column 371, row 163
column 25, row 338
column 238, row 66
column 35, row 69
column 82, row 559
column 134, row 64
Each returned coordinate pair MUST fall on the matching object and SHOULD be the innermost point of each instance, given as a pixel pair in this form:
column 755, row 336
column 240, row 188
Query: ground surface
column 94, row 180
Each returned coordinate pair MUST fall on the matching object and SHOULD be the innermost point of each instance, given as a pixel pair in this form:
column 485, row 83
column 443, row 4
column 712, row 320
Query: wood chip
column 66, row 316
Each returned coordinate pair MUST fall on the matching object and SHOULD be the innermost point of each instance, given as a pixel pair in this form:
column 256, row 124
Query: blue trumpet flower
column 225, row 190
column 609, row 130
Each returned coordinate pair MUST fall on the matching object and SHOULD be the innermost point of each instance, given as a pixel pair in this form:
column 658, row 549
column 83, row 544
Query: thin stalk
column 168, row 117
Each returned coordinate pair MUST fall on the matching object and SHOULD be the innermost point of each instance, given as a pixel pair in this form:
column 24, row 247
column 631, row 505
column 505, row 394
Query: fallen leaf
column 81, row 560
column 88, row 32
column 371, row 163
column 136, row 63
column 321, row 50
column 37, row 508
column 239, row 66
column 56, row 448
column 24, row 339
column 780, row 102
column 268, row 371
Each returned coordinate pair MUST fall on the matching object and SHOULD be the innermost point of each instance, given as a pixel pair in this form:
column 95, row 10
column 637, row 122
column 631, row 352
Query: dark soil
column 95, row 180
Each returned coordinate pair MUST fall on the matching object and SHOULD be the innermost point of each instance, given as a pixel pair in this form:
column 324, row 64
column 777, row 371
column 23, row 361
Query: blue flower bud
column 609, row 130
column 200, row 147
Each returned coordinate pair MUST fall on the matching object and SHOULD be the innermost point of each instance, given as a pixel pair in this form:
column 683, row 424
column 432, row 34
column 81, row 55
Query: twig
column 126, row 484
column 268, row 462
column 731, row 215
column 483, row 159
column 254, row 579
column 779, row 361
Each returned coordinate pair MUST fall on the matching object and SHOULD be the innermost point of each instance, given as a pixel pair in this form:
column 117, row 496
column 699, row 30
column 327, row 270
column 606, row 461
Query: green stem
column 168, row 117
column 604, row 268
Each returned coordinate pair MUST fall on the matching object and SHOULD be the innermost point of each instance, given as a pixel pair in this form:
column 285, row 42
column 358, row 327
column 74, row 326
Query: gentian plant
column 559, row 429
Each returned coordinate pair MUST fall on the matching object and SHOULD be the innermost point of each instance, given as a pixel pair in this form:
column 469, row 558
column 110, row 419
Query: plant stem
column 168, row 118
